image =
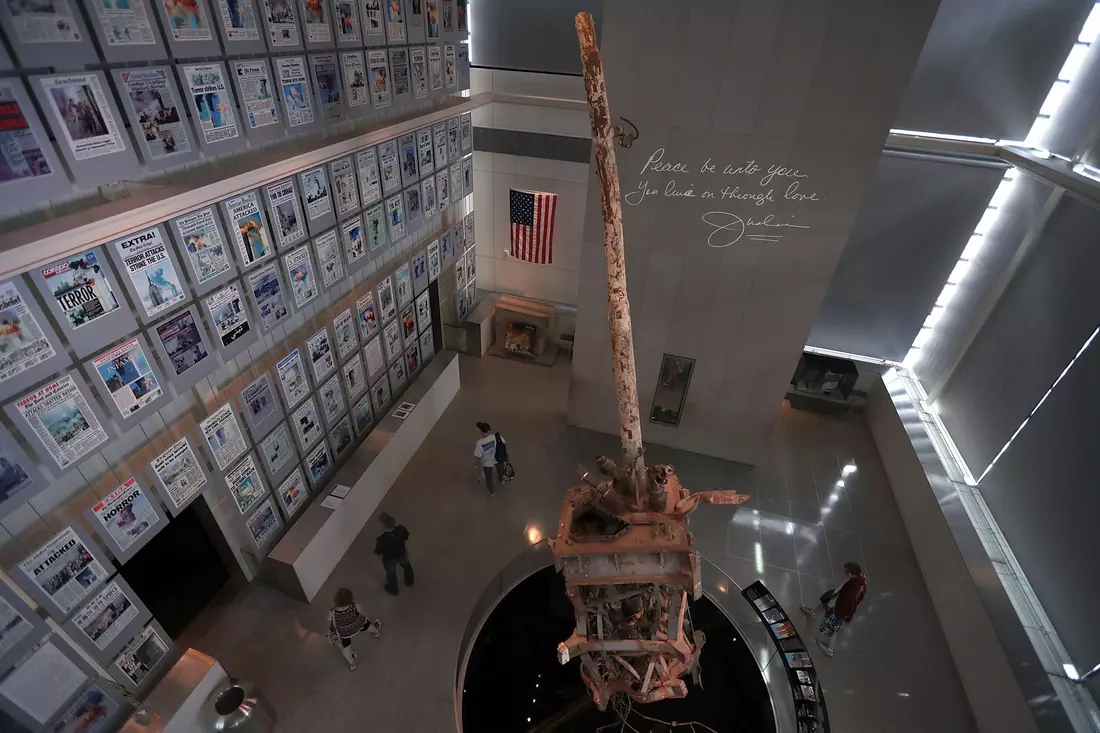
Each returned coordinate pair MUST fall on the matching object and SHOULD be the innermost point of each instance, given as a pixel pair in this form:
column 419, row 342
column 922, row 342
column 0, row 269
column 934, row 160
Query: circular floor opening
column 513, row 681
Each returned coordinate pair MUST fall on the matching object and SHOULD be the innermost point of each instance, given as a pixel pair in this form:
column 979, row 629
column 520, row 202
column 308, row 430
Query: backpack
column 501, row 454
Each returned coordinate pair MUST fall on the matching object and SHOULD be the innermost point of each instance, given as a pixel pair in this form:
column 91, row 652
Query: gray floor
column 892, row 671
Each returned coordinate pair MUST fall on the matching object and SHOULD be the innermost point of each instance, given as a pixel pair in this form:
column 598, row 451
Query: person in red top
column 839, row 606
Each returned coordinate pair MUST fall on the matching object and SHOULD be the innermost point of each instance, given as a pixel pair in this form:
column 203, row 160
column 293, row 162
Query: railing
column 718, row 587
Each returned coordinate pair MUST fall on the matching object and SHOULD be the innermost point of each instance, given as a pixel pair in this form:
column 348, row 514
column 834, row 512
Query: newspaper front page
column 295, row 87
column 355, row 77
column 126, row 514
column 141, row 655
column 180, row 472
column 267, row 292
column 158, row 112
column 62, row 420
column 299, row 269
column 245, row 484
column 287, row 211
column 257, row 96
column 213, row 104
column 64, row 569
column 292, row 377
column 419, row 59
column 228, row 314
column 85, row 114
column 125, row 23
column 223, row 435
column 315, row 191
column 146, row 262
column 128, row 378
column 106, row 616
column 202, row 242
column 23, row 344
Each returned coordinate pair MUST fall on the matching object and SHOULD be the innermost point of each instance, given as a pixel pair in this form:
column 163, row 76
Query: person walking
column 391, row 546
column 839, row 606
column 346, row 619
column 491, row 454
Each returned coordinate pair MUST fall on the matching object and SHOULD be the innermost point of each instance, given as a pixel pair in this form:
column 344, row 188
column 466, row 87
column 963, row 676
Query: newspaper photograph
column 368, row 317
column 212, row 102
column 354, row 246
column 332, row 399
column 373, row 353
column 372, row 19
column 62, row 420
column 258, row 399
column 329, row 94
column 267, row 292
column 145, row 650
column 343, row 177
column 157, row 111
column 223, row 436
column 452, row 140
column 307, row 424
column 434, row 262
column 22, row 153
column 379, row 77
column 376, row 227
column 202, row 241
column 299, row 270
column 367, row 163
column 292, row 377
column 126, row 514
column 399, row 63
column 179, row 472
column 246, row 219
column 450, row 67
column 343, row 328
column 293, row 492
column 15, row 627
column 295, row 87
column 320, row 355
column 340, row 437
column 128, row 378
column 391, row 340
column 412, row 202
column 124, row 23
column 355, row 77
column 239, row 20
column 439, row 137
column 419, row 62
column 315, row 190
column 386, row 305
column 391, row 173
column 277, row 450
column 287, row 211
column 406, row 149
column 448, row 8
column 257, row 99
column 44, row 22
column 425, row 161
column 395, row 21
column 466, row 132
column 145, row 261
column 395, row 214
column 328, row 258
column 427, row 196
column 106, row 616
column 186, row 20
column 362, row 415
column 264, row 524
column 443, row 188
column 64, row 569
column 81, row 289
column 282, row 23
column 319, row 463
column 435, row 67
column 23, row 344
column 245, row 484
column 432, row 19
column 355, row 380
column 228, row 314
column 315, row 18
column 85, row 116
column 346, row 22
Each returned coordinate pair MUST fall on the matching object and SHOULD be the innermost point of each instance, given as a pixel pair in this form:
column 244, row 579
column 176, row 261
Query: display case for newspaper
column 99, row 698
column 249, row 227
column 278, row 453
column 163, row 132
column 419, row 265
column 190, row 35
column 324, row 69
column 414, row 21
column 318, row 215
column 203, row 249
column 427, row 346
column 263, row 526
column 245, row 319
column 414, row 208
column 282, row 34
column 150, row 272
column 23, row 628
column 295, row 91
column 331, row 400
column 198, row 368
column 380, row 395
column 41, row 42
column 63, row 548
column 38, row 691
column 224, row 132
column 21, row 480
column 136, row 497
column 261, row 406
column 413, row 363
column 240, row 28
column 46, row 182
column 116, row 598
column 32, row 362
column 317, row 464
column 185, row 467
column 149, row 668
column 127, row 34
column 463, row 66
column 130, row 383
column 249, row 89
column 317, row 32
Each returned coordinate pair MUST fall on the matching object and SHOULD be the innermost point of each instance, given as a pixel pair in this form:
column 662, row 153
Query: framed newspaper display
column 107, row 622
column 85, row 298
column 306, row 422
column 435, row 261
column 232, row 324
column 414, row 210
column 23, row 628
column 263, row 526
column 270, row 297
column 278, row 453
column 260, row 406
column 367, row 318
column 292, row 378
column 292, row 492
column 179, row 474
column 317, row 198
column 341, row 438
column 412, row 358
column 143, row 658
column 370, row 184
column 418, row 56
column 189, row 28
column 148, row 269
column 157, row 115
column 127, row 31
column 372, row 25
column 325, row 68
column 40, row 689
column 245, row 484
column 21, row 479
column 248, row 226
column 354, row 243
column 395, row 218
column 390, row 166
column 380, row 395
column 47, row 34
column 330, row 263
column 419, row 264
column 374, row 361
column 203, row 249
column 64, row 419
column 29, row 348
column 345, row 24
column 280, row 20
column 435, row 68
column 34, row 172
column 355, row 378
column 414, row 20
column 321, row 356
column 223, row 438
column 64, row 572
column 99, row 706
column 381, row 83
column 399, row 65
column 209, row 95
column 331, row 397
column 343, row 330
column 344, row 188
column 239, row 26
column 261, row 117
column 288, row 220
column 427, row 346
column 297, row 94
column 399, row 378
column 128, row 379
column 316, row 23
column 126, row 519
column 318, row 464
column 363, row 416
column 466, row 133
column 353, row 69
column 185, row 351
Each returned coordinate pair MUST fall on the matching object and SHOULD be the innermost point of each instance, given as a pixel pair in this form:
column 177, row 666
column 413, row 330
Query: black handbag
column 827, row 596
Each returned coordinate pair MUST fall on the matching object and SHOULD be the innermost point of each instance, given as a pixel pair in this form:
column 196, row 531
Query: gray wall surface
column 529, row 35
column 780, row 84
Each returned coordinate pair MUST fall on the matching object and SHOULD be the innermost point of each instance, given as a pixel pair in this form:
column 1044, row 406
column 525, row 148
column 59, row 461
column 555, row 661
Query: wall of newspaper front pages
column 238, row 352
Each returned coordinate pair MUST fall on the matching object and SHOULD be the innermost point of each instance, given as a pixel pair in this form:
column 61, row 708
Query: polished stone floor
column 892, row 671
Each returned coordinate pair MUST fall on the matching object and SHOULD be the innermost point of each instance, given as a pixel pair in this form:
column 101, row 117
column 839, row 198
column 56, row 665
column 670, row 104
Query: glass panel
column 672, row 387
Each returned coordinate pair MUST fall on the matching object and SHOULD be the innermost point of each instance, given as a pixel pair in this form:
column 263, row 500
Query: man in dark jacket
column 391, row 546
column 839, row 606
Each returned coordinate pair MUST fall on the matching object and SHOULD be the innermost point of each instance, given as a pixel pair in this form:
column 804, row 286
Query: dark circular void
column 515, row 651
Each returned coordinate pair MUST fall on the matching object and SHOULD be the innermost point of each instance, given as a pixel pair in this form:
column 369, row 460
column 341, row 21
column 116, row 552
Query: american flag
column 532, row 217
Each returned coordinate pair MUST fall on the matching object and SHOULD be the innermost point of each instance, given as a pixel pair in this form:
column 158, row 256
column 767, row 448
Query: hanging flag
column 531, row 214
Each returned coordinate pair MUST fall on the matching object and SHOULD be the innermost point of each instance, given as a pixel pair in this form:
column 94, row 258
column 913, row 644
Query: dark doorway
column 181, row 570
